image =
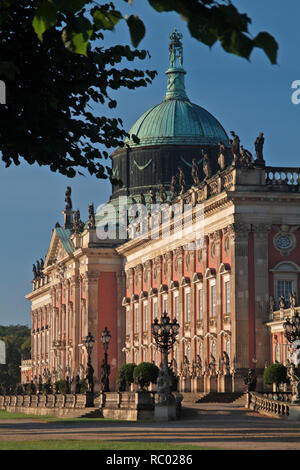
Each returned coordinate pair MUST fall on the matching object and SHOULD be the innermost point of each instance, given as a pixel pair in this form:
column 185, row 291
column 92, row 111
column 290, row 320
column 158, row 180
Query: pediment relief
column 56, row 251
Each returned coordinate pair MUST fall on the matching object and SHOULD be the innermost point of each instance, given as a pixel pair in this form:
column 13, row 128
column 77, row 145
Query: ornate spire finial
column 176, row 72
column 175, row 49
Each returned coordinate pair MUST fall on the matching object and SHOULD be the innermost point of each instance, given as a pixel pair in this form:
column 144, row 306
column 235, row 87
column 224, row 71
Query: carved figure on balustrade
column 173, row 366
column 222, row 153
column 250, row 380
column 271, row 304
column 259, row 144
column 186, row 367
column 195, row 172
column 226, row 362
column 235, row 146
column 181, row 180
column 162, row 194
column 212, row 365
column 173, row 187
column 206, row 164
column 282, row 301
column 293, row 299
column 246, row 157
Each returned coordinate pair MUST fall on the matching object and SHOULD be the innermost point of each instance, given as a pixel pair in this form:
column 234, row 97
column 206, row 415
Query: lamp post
column 164, row 334
column 292, row 333
column 105, row 368
column 89, row 343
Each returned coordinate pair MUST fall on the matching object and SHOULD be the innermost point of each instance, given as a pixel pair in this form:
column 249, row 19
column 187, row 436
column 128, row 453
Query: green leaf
column 106, row 19
column 76, row 36
column 266, row 42
column 136, row 28
column 70, row 5
column 44, row 18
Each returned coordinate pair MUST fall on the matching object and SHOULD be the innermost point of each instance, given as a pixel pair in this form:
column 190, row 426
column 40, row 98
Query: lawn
column 69, row 444
column 45, row 418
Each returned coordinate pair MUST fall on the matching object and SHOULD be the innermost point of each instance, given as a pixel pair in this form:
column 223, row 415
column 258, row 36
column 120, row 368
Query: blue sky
column 247, row 97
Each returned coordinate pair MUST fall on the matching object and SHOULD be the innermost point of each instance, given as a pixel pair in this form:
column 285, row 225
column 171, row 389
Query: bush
column 61, row 386
column 19, row 389
column 47, row 388
column 125, row 376
column 144, row 374
column 275, row 373
column 83, row 386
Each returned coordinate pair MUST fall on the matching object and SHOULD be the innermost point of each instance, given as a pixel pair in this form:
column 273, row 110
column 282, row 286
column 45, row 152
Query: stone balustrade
column 282, row 176
column 265, row 405
column 41, row 404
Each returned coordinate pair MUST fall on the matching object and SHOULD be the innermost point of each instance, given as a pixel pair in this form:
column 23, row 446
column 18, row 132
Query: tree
column 16, row 338
column 56, row 69
column 125, row 375
column 275, row 373
column 144, row 374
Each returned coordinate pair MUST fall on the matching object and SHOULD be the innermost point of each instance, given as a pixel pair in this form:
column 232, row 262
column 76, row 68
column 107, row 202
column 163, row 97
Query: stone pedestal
column 185, row 384
column 212, row 383
column 225, row 383
column 165, row 412
column 198, row 384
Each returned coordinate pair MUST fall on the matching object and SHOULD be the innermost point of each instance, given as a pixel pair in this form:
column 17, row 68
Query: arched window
column 285, row 280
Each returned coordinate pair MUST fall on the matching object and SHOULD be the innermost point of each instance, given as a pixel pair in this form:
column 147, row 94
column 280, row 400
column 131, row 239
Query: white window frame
column 212, row 306
column 155, row 307
column 145, row 315
column 227, row 279
column 187, row 304
column 165, row 303
column 136, row 318
column 200, row 303
column 176, row 304
column 127, row 320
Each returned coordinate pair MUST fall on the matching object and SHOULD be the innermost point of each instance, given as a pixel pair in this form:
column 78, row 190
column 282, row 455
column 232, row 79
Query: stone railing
column 284, row 313
column 282, row 175
column 263, row 404
column 281, row 396
column 30, row 403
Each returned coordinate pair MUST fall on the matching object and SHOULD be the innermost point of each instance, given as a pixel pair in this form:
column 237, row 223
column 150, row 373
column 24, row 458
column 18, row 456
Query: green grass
column 46, row 418
column 71, row 444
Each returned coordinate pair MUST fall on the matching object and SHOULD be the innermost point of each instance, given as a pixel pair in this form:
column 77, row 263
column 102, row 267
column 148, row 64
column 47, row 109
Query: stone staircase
column 213, row 397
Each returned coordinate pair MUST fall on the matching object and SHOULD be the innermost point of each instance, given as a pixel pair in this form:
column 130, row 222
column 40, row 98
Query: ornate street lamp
column 89, row 343
column 164, row 334
column 105, row 367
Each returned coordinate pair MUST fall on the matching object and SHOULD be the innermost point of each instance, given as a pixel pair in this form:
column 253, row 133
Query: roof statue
column 175, row 49
column 259, row 145
column 68, row 200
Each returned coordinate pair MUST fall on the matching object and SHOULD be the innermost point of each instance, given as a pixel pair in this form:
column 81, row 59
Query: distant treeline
column 17, row 340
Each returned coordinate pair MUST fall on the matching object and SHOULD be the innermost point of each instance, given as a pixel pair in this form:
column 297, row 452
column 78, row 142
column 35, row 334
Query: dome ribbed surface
column 176, row 121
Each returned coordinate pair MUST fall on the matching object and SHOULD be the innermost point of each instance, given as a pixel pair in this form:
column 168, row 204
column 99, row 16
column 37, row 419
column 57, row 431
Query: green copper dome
column 176, row 120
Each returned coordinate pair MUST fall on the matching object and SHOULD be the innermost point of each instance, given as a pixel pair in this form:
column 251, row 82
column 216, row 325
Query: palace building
column 200, row 229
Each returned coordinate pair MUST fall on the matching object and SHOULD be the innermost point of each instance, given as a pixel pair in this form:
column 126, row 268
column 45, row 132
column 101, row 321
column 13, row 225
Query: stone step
column 215, row 397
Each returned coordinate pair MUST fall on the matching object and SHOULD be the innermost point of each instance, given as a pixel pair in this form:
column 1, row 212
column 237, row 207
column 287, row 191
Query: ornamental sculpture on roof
column 175, row 49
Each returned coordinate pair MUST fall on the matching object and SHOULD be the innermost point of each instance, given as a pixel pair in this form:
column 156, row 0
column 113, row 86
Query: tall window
column 284, row 287
column 145, row 316
column 227, row 296
column 200, row 304
column 187, row 305
column 154, row 308
column 176, row 305
column 213, row 300
column 165, row 303
column 128, row 320
column 136, row 318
